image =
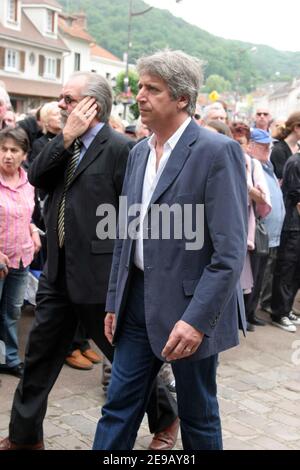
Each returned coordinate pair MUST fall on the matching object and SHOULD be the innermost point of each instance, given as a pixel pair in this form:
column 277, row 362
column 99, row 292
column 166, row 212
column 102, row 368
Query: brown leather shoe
column 92, row 356
column 165, row 439
column 78, row 361
column 6, row 444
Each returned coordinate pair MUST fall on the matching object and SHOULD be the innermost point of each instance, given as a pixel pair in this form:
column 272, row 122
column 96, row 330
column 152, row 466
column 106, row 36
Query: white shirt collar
column 172, row 141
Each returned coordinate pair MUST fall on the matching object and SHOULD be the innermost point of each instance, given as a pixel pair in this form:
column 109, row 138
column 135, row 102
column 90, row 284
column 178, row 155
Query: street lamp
column 131, row 14
column 240, row 53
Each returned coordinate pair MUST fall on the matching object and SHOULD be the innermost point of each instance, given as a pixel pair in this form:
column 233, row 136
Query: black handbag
column 261, row 238
column 261, row 234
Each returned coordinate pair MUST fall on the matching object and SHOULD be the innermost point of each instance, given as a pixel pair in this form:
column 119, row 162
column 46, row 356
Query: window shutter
column 2, row 58
column 22, row 61
column 53, row 22
column 41, row 65
column 58, row 64
column 16, row 10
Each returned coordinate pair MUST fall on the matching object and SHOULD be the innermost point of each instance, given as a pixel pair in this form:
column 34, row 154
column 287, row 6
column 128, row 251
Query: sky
column 266, row 22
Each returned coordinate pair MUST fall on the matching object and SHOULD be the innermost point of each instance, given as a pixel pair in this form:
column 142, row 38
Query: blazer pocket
column 189, row 286
column 99, row 247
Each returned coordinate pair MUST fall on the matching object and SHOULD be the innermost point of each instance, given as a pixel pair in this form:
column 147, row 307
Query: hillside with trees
column 232, row 61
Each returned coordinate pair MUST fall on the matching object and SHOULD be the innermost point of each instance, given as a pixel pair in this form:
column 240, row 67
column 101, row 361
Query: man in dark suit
column 78, row 175
column 175, row 296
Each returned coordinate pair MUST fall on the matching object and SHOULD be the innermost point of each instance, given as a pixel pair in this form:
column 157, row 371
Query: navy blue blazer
column 199, row 286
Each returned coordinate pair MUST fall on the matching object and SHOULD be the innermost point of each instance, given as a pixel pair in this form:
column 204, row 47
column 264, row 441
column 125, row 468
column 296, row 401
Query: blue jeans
column 12, row 290
column 134, row 369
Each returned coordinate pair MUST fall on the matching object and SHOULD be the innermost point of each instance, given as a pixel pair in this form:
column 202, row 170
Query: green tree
column 233, row 60
column 218, row 83
column 133, row 85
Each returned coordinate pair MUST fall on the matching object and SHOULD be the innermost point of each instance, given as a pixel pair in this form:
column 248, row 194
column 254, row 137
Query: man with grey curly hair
column 170, row 300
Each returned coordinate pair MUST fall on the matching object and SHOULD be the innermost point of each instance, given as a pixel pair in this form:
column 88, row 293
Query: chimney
column 80, row 20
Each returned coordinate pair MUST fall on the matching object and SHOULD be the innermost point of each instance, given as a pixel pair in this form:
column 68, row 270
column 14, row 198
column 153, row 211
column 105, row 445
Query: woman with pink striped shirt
column 19, row 241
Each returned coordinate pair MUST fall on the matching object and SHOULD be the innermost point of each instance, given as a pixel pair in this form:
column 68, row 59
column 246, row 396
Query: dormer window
column 50, row 21
column 12, row 11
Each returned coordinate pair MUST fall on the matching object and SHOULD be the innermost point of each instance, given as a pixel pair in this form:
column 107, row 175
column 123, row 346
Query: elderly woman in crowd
column 258, row 205
column 19, row 240
column 50, row 119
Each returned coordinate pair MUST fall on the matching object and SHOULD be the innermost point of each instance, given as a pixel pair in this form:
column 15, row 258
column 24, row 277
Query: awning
column 19, row 86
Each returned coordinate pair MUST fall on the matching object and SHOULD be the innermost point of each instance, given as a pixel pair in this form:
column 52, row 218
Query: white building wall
column 37, row 16
column 106, row 67
column 279, row 107
column 31, row 71
column 294, row 100
column 284, row 105
column 75, row 46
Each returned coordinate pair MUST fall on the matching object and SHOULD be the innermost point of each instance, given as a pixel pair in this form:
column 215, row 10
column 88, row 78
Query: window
column 12, row 60
column 12, row 11
column 77, row 62
column 50, row 67
column 50, row 21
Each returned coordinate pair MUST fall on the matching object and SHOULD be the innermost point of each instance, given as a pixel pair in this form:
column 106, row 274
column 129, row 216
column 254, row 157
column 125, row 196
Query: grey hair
column 212, row 107
column 99, row 88
column 182, row 73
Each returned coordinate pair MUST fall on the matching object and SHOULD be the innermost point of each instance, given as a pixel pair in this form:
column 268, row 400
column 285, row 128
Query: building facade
column 41, row 46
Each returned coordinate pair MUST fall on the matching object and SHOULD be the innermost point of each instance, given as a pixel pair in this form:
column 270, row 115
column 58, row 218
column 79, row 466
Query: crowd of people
column 170, row 310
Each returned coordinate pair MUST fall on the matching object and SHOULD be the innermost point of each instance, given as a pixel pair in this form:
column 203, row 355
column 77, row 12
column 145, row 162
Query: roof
column 74, row 31
column 29, row 33
column 101, row 52
column 285, row 89
column 50, row 3
column 21, row 86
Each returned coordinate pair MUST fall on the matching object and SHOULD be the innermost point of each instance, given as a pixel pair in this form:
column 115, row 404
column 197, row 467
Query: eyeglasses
column 262, row 114
column 68, row 99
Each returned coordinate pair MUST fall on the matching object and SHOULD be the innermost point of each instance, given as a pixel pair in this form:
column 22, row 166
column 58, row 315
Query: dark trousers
column 266, row 289
column 131, row 382
column 287, row 274
column 52, row 333
column 258, row 265
column 80, row 340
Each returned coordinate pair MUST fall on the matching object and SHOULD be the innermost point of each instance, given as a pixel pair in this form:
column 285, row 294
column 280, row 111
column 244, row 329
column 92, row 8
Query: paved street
column 259, row 393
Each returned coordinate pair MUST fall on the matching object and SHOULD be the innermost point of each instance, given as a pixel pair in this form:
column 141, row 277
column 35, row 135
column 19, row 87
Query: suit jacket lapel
column 96, row 147
column 176, row 161
column 141, row 162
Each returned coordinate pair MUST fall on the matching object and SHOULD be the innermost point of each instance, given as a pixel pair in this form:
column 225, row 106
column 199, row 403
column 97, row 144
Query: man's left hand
column 183, row 341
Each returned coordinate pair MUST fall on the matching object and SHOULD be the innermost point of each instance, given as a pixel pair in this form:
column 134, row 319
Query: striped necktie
column 73, row 162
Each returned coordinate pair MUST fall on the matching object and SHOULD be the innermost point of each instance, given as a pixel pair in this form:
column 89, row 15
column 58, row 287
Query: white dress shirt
column 151, row 179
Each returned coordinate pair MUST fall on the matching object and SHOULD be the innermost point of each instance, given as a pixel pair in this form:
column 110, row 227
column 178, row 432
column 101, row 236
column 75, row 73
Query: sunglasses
column 262, row 114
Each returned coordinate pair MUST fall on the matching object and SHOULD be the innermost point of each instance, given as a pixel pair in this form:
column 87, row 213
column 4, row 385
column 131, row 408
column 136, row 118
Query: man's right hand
column 79, row 120
column 110, row 326
column 4, row 261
